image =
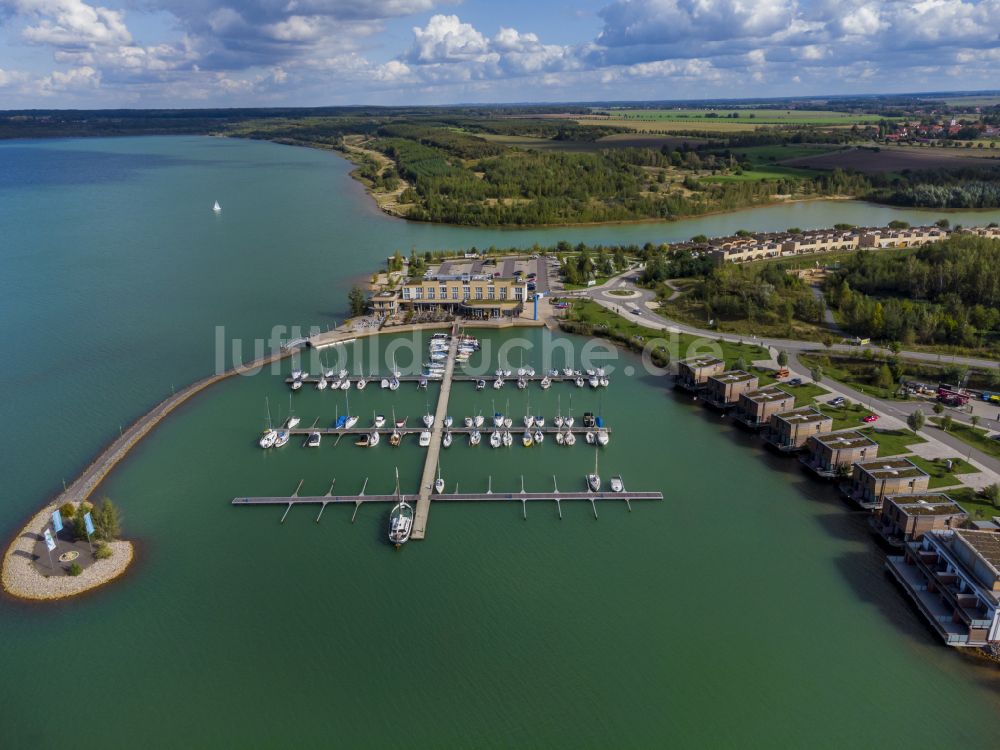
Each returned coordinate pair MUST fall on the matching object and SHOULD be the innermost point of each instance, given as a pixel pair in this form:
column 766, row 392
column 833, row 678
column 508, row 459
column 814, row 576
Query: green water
column 747, row 609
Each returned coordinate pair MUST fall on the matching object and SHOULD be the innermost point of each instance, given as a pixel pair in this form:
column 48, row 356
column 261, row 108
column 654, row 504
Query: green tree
column 938, row 408
column 740, row 364
column 975, row 420
column 992, row 493
column 356, row 298
column 947, row 422
column 916, row 420
column 816, row 373
column 883, row 377
column 107, row 523
column 782, row 358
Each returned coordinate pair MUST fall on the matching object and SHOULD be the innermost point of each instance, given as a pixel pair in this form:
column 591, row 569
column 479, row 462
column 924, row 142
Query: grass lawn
column 974, row 504
column 849, row 373
column 845, row 416
column 764, row 377
column 893, row 442
column 762, row 173
column 692, row 312
column 805, row 394
column 588, row 311
column 622, row 292
column 940, row 476
column 598, row 281
column 974, row 436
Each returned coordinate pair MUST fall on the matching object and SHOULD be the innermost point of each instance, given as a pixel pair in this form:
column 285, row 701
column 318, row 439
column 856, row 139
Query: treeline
column 966, row 187
column 946, row 293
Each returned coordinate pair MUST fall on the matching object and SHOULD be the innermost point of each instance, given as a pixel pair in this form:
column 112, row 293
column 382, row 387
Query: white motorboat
column 321, row 384
column 400, row 423
column 560, row 439
column 480, row 385
column 498, row 384
column 570, row 438
column 499, row 373
column 521, row 372
column 448, row 421
column 531, row 372
column 497, row 419
column 384, row 383
column 313, row 440
column 568, row 372
column 605, row 382
column 475, row 437
column 394, row 384
column 546, row 382
column 522, row 384
column 506, row 373
column 335, row 383
column 579, row 382
column 345, row 384
column 425, row 438
column 478, row 420
column 343, row 374
column 539, row 421
column 380, row 420
column 602, row 437
column 616, row 484
column 590, row 437
column 362, row 382
column 296, row 385
column 422, row 383
column 446, row 439
column 594, row 382
column 468, row 421
column 292, row 422
column 495, row 440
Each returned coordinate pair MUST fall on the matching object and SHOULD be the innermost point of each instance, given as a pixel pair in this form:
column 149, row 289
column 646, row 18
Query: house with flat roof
column 693, row 373
column 953, row 577
column 906, row 518
column 755, row 408
column 471, row 295
column 789, row 430
column 385, row 302
column 873, row 480
column 831, row 454
column 724, row 390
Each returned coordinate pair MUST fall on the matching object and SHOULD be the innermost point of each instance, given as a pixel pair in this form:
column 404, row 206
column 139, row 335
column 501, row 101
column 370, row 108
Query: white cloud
column 72, row 23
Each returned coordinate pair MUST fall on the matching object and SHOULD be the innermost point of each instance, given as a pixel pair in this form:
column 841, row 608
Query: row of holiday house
column 761, row 246
column 951, row 571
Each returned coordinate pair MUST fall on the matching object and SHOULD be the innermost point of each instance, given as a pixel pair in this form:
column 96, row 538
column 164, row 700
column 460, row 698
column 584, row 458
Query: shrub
column 915, row 421
column 75, row 569
column 992, row 493
column 103, row 551
column 67, row 511
column 106, row 521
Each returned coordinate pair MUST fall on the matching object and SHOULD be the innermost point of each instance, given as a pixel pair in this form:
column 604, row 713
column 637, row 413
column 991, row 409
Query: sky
column 215, row 53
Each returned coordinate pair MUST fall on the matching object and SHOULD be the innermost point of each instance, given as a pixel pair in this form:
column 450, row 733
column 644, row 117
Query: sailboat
column 268, row 436
column 558, row 421
column 446, row 440
column 350, row 421
column 217, row 208
column 594, row 480
column 439, row 482
column 400, row 519
column 292, row 420
column 475, row 437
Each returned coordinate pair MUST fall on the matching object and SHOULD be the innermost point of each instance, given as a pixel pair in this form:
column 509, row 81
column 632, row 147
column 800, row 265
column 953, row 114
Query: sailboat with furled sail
column 400, row 519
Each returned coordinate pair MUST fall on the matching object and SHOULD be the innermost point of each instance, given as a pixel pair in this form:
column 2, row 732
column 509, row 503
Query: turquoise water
column 749, row 608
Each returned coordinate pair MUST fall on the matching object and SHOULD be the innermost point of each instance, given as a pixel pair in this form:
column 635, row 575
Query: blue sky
column 153, row 53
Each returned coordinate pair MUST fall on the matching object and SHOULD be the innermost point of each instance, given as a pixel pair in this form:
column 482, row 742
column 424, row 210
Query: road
column 644, row 299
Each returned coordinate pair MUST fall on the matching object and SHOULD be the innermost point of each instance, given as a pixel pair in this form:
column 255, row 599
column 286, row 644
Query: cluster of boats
column 594, row 378
column 276, row 437
column 438, row 348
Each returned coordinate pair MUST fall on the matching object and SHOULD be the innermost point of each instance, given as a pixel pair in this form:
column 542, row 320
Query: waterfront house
column 724, row 390
column 906, row 518
column 693, row 373
column 755, row 408
column 833, row 453
column 789, row 430
column 873, row 480
column 471, row 295
column 385, row 303
column 953, row 577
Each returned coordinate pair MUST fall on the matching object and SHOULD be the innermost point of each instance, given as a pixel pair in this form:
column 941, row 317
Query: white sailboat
column 268, row 436
column 217, row 208
column 594, row 480
column 439, row 482
column 400, row 519
column 351, row 420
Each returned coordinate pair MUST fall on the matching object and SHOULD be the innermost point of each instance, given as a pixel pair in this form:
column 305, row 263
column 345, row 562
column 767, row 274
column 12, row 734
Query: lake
column 749, row 608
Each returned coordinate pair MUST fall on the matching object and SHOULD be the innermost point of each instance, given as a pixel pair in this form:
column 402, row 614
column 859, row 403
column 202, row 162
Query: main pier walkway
column 434, row 450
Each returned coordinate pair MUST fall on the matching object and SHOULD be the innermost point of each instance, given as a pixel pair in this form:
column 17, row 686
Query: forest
column 975, row 187
column 946, row 293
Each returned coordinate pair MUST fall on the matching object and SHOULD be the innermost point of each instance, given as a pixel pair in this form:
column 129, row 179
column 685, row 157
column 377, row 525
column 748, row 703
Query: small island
column 82, row 559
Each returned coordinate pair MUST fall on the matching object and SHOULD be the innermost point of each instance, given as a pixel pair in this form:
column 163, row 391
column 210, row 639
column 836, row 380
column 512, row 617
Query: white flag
column 49, row 541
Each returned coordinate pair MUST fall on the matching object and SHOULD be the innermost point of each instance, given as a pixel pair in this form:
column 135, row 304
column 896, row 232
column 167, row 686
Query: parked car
column 839, row 401
column 795, row 381
column 870, row 418
column 532, row 275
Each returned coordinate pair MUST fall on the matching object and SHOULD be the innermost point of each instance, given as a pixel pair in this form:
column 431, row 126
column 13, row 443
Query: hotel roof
column 929, row 504
column 846, row 439
column 803, row 415
column 889, row 468
column 986, row 544
column 767, row 394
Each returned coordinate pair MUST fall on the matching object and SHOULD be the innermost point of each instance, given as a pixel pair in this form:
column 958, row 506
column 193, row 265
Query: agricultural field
column 893, row 159
column 752, row 116
column 621, row 140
